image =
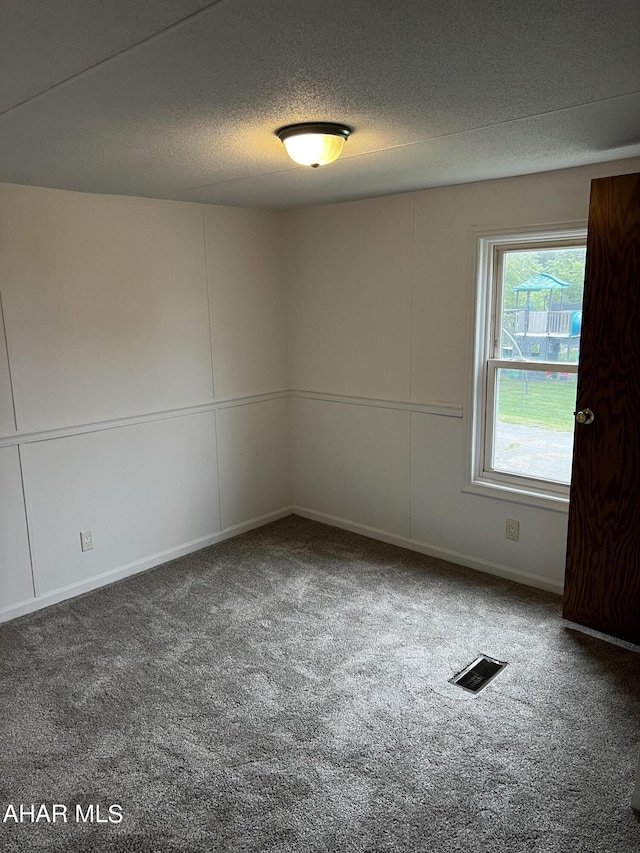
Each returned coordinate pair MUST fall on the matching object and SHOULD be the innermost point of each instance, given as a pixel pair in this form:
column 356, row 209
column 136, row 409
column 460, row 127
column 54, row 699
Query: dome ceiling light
column 314, row 143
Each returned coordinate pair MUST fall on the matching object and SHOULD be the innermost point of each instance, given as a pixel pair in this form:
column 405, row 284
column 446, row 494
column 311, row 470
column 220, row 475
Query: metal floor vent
column 478, row 674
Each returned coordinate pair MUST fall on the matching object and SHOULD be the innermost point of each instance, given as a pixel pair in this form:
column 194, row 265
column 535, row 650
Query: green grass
column 548, row 403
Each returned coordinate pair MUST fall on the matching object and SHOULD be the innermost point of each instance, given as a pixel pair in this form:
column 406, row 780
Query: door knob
column 584, row 416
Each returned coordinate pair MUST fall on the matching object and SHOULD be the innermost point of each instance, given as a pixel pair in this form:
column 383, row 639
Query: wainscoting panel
column 7, row 422
column 15, row 566
column 247, row 300
column 440, row 299
column 142, row 489
column 254, row 460
column 445, row 517
column 352, row 461
column 350, row 277
column 105, row 305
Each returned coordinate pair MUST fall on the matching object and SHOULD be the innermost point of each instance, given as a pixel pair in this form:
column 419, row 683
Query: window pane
column 542, row 303
column 533, row 427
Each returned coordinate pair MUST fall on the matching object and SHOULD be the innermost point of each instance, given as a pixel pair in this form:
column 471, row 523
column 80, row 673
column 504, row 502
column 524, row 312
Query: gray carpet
column 288, row 691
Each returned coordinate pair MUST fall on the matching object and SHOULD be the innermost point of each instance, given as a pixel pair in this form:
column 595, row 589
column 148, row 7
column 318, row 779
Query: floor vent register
column 478, row 674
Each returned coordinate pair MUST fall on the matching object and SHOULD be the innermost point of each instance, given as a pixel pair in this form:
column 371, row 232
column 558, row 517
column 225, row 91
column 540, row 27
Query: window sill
column 515, row 494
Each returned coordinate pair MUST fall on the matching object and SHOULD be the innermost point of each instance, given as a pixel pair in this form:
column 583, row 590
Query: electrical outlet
column 86, row 540
column 513, row 529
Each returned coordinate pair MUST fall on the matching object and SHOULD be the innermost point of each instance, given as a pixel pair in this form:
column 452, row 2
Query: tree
column 566, row 264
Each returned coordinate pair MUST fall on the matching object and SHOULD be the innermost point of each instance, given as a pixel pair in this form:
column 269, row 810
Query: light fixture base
column 315, row 127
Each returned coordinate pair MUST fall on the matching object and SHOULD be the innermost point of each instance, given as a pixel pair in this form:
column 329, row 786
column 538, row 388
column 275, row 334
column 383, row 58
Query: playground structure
column 549, row 334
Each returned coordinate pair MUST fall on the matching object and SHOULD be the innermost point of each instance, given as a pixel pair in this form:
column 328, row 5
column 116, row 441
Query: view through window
column 531, row 380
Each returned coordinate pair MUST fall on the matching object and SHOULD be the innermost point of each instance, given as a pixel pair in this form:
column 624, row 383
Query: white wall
column 105, row 307
column 255, row 467
column 248, row 300
column 121, row 317
column 349, row 268
column 16, row 582
column 352, row 462
column 380, row 311
column 147, row 349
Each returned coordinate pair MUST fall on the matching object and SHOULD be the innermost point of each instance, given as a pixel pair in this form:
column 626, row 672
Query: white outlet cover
column 513, row 529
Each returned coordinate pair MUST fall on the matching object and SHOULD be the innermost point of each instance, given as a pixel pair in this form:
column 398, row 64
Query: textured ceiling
column 180, row 98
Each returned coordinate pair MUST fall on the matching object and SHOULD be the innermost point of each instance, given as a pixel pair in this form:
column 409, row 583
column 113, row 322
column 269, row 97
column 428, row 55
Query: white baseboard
column 475, row 563
column 22, row 608
column 31, row 605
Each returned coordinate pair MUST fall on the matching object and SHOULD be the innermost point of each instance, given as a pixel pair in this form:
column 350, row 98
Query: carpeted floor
column 288, row 691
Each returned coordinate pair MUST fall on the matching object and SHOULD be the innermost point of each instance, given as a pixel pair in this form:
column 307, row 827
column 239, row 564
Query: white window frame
column 488, row 250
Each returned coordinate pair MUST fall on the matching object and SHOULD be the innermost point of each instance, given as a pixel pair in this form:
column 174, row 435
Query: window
column 528, row 329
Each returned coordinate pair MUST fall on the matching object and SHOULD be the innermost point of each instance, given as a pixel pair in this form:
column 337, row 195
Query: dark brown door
column 602, row 581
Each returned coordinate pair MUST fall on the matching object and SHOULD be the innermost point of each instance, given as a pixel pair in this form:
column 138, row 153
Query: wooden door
column 602, row 581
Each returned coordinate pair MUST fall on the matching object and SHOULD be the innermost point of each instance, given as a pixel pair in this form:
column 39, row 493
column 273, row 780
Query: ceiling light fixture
column 314, row 143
